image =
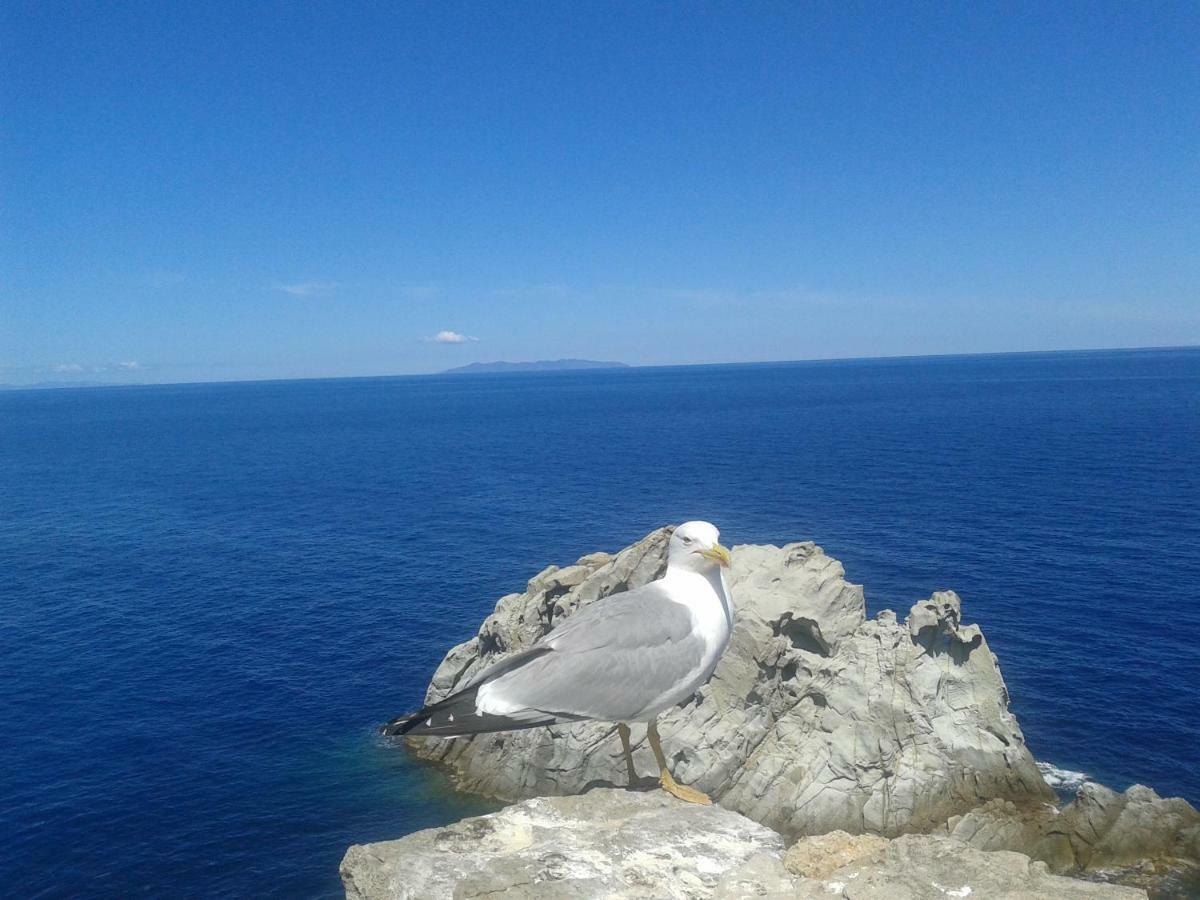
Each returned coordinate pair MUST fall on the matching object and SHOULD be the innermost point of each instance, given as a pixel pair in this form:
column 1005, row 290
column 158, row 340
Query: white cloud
column 69, row 369
column 307, row 288
column 131, row 364
column 449, row 337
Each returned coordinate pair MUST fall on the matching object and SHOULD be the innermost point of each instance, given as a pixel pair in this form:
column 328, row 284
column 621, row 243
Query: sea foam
column 1062, row 780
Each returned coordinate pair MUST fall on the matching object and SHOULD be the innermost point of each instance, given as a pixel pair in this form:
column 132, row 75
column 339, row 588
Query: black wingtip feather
column 456, row 714
column 398, row 726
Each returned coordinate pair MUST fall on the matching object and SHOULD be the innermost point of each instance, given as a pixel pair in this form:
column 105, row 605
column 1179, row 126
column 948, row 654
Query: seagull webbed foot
column 669, row 784
column 683, row 792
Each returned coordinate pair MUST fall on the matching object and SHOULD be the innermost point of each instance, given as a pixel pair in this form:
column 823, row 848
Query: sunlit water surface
column 211, row 594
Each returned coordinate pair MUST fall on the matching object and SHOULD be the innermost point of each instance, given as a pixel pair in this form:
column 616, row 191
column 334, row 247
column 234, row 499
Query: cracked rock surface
column 1099, row 830
column 608, row 843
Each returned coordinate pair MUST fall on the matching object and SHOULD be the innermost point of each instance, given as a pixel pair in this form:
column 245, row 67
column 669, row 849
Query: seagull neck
column 682, row 575
column 722, row 608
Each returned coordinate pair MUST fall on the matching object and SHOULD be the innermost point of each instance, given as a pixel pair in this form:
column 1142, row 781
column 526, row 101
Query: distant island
column 542, row 365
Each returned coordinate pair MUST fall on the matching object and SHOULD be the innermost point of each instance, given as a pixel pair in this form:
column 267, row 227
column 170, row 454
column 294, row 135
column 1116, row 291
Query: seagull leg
column 623, row 731
column 690, row 795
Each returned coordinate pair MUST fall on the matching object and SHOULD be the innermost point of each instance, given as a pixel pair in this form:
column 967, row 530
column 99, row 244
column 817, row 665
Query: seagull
column 623, row 659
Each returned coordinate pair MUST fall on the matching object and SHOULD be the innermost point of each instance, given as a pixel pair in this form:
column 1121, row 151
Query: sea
column 212, row 594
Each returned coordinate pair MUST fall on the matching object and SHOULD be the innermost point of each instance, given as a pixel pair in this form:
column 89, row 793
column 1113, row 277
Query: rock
column 764, row 876
column 815, row 719
column 1109, row 829
column 606, row 843
column 1001, row 825
column 925, row 867
column 1099, row 830
column 624, row 844
column 935, row 623
column 823, row 854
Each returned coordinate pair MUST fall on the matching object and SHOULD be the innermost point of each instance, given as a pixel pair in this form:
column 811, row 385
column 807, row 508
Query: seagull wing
column 609, row 661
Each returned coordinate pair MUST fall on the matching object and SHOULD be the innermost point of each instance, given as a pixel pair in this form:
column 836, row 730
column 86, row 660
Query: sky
column 193, row 192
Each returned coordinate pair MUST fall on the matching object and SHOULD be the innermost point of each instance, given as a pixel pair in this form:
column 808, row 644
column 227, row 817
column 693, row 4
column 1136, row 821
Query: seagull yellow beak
column 717, row 554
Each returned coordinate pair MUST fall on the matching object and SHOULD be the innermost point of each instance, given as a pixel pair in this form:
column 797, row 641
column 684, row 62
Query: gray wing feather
column 610, row 660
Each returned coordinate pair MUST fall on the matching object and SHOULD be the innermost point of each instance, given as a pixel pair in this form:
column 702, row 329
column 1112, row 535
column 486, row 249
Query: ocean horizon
column 463, row 370
column 212, row 593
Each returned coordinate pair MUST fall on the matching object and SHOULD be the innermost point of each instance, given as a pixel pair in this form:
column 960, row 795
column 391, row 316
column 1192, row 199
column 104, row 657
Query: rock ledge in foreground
column 621, row 844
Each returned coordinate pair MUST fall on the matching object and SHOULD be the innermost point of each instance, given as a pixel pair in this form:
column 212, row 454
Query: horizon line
column 63, row 385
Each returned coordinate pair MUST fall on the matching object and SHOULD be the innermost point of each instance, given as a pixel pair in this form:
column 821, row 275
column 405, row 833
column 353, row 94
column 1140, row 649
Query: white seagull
column 622, row 659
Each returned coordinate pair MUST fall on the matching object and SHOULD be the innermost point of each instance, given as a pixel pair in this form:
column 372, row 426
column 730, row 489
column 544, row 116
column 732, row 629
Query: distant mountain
column 542, row 365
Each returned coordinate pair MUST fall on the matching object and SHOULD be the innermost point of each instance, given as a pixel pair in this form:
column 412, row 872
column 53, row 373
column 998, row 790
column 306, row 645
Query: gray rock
column 1002, row 825
column 624, row 844
column 928, row 867
column 607, row 843
column 1110, row 829
column 1099, row 830
column 815, row 719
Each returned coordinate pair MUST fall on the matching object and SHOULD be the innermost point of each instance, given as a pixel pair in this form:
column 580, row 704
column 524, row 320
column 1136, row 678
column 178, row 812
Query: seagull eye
column 687, row 540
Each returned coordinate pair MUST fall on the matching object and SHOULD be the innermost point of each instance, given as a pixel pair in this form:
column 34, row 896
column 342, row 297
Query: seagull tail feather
column 457, row 714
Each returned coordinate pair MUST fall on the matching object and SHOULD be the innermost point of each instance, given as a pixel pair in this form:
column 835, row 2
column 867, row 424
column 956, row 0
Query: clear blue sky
column 210, row 191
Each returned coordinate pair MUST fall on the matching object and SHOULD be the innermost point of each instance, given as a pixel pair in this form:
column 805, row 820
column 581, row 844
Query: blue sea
column 211, row 595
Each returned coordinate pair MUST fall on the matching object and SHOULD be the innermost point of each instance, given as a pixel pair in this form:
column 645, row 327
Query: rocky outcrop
column 1099, row 830
column 623, row 844
column 816, row 719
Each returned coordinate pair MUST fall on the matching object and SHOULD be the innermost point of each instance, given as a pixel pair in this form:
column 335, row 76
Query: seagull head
column 696, row 546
